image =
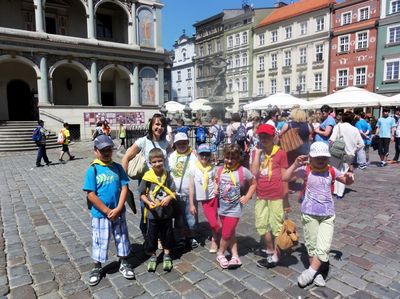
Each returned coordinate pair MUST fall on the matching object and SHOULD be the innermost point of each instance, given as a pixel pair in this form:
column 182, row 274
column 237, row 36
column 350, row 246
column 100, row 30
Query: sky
column 179, row 15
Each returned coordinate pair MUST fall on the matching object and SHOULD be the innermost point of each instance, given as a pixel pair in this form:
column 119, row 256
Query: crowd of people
column 179, row 179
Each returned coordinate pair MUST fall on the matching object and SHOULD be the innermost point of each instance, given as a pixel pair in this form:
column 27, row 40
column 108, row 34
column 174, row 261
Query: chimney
column 279, row 4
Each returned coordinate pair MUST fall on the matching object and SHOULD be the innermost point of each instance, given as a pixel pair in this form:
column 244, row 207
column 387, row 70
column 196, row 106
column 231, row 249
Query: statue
column 219, row 67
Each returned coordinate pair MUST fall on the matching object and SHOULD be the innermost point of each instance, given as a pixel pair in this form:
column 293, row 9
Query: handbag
column 287, row 237
column 138, row 165
column 291, row 140
column 337, row 148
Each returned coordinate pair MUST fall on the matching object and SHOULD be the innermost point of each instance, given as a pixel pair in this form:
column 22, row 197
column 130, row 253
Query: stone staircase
column 17, row 136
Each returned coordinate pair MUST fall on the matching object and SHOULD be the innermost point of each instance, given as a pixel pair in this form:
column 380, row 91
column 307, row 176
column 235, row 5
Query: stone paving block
column 276, row 294
column 325, row 293
column 279, row 282
column 147, row 277
column 183, row 286
column 20, row 281
column 355, row 270
column 352, row 280
column 146, row 296
column 119, row 282
column 210, row 288
column 73, row 288
column 22, row 292
column 234, row 286
column 248, row 294
column 106, row 293
column 225, row 295
column 204, row 265
column 40, row 267
column 46, row 288
column 395, row 285
column 381, row 292
column 296, row 292
column 219, row 276
column 362, row 295
column 183, row 267
column 258, row 285
column 195, row 295
column 194, row 276
column 43, row 277
column 4, row 290
column 66, row 274
column 385, row 270
column 340, row 287
column 377, row 278
column 59, row 260
column 156, row 287
column 361, row 262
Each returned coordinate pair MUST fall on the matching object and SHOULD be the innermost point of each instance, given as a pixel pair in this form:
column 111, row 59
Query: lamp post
column 187, row 111
column 164, row 110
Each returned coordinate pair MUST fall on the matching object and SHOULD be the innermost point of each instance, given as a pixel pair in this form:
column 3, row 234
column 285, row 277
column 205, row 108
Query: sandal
column 152, row 265
column 167, row 263
column 95, row 276
column 126, row 271
column 223, row 262
column 213, row 247
column 234, row 263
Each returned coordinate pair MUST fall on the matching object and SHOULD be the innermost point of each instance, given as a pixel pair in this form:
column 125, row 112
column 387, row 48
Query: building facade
column 69, row 57
column 291, row 50
column 387, row 79
column 183, row 72
column 353, row 45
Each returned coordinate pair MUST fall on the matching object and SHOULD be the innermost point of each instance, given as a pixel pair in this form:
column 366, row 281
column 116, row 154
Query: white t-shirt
column 176, row 165
column 147, row 144
column 197, row 175
column 351, row 136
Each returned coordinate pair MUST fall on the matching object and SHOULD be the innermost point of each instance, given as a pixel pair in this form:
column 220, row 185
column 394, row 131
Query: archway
column 111, row 22
column 22, row 104
column 115, row 87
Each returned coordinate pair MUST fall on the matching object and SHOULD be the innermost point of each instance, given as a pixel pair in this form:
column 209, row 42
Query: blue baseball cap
column 103, row 141
column 203, row 148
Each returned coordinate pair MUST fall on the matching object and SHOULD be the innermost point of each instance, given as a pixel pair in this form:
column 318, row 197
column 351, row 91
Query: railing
column 48, row 114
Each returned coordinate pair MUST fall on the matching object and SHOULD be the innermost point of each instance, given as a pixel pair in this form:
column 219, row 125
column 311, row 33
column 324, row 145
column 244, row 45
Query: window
column 209, row 49
column 189, row 91
column 303, row 28
column 201, row 51
column 244, row 59
column 288, row 58
column 237, row 84
column 208, row 91
column 201, row 91
column 342, row 78
column 344, row 43
column 363, row 13
column 302, row 83
column 319, row 53
column 184, row 56
column 179, row 76
column 244, row 38
column 230, row 86
column 395, row 6
column 288, row 32
column 260, row 63
column 273, row 86
column 103, row 26
column 394, row 34
column 229, row 63
column 179, row 91
column 361, row 76
column 189, row 73
column 362, row 40
column 237, row 61
column 261, row 40
column 392, row 70
column 244, row 84
column 287, row 84
column 274, row 36
column 237, row 40
column 219, row 46
column 320, row 23
column 303, row 55
column 230, row 42
column 200, row 71
column 346, row 18
column 318, row 81
column 274, row 60
column 260, row 88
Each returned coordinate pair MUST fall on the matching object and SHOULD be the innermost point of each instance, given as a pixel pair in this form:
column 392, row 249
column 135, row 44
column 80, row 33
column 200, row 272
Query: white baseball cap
column 319, row 149
column 180, row 137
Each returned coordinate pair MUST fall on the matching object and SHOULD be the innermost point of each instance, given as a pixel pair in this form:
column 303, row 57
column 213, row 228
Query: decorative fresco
column 146, row 28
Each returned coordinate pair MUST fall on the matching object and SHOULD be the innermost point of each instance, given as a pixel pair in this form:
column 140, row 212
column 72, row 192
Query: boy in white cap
column 180, row 161
column 317, row 208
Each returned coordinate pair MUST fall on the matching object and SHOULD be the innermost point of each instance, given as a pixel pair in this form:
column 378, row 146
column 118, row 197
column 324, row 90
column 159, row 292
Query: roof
column 294, row 9
column 210, row 19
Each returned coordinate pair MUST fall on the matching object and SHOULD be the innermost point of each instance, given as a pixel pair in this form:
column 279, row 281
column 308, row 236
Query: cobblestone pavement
column 45, row 243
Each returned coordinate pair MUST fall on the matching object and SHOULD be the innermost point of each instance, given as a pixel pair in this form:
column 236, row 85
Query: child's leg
column 123, row 245
column 276, row 219
column 210, row 208
column 228, row 231
column 262, row 215
column 167, row 239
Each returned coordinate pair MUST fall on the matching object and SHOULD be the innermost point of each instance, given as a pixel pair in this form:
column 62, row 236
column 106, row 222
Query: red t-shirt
column 271, row 189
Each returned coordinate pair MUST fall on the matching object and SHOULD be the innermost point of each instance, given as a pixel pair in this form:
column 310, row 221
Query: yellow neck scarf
column 205, row 171
column 188, row 152
column 98, row 161
column 150, row 176
column 268, row 161
column 230, row 172
column 320, row 170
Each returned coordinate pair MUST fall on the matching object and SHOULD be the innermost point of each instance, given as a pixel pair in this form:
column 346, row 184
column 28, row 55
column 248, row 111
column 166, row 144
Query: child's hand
column 287, row 210
column 193, row 210
column 349, row 176
column 152, row 205
column 114, row 214
column 244, row 200
column 300, row 161
column 165, row 201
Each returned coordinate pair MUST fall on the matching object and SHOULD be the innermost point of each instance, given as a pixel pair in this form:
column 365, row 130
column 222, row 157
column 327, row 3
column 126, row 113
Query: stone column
column 135, row 87
column 157, row 29
column 90, row 20
column 42, row 82
column 39, row 16
column 160, row 89
column 132, row 34
column 94, row 86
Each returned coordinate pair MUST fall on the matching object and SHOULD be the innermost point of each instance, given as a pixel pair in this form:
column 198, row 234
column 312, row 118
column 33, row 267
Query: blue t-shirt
column 183, row 129
column 385, row 126
column 363, row 126
column 329, row 121
column 108, row 185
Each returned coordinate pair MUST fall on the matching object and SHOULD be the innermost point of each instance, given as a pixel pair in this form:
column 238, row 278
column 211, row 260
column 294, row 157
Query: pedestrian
column 181, row 128
column 106, row 128
column 169, row 137
column 366, row 131
column 201, row 190
column 317, row 207
column 217, row 139
column 269, row 163
column 180, row 161
column 106, row 184
column 385, row 129
column 157, row 191
column 40, row 140
column 200, row 132
column 397, row 136
column 122, row 135
column 98, row 130
column 67, row 139
column 235, row 186
column 324, row 131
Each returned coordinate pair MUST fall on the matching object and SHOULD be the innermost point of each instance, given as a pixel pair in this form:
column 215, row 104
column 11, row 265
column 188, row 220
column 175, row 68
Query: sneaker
column 126, row 271
column 305, row 278
column 60, row 160
column 72, row 157
column 213, row 247
column 267, row 263
column 48, row 163
column 338, row 197
column 362, row 167
column 95, row 276
column 152, row 265
column 262, row 252
column 167, row 263
column 194, row 243
column 319, row 281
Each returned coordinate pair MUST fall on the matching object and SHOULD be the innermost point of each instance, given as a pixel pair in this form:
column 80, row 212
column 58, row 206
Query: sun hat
column 203, row 148
column 319, row 149
column 103, row 141
column 266, row 129
column 180, row 137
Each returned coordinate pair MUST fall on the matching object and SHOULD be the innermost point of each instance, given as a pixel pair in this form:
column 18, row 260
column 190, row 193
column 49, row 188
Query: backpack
column 201, row 135
column 61, row 137
column 219, row 138
column 37, row 135
column 308, row 171
column 240, row 135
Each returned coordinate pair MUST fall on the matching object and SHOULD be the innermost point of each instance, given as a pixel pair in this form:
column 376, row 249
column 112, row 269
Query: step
column 28, row 148
column 23, row 142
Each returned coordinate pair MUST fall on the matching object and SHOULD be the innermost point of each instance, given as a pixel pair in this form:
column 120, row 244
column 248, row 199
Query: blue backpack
column 37, row 135
column 201, row 135
column 240, row 135
column 220, row 135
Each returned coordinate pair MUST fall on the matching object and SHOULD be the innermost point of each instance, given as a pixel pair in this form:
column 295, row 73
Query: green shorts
column 269, row 216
